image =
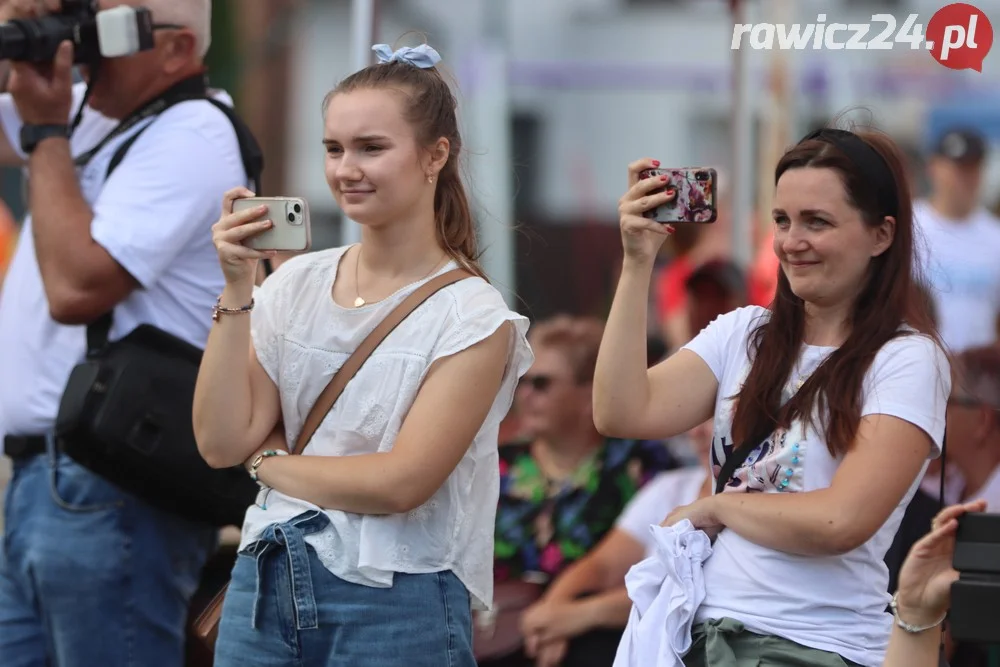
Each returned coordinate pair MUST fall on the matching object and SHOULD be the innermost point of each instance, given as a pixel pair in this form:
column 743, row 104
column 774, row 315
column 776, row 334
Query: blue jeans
column 284, row 608
column 89, row 574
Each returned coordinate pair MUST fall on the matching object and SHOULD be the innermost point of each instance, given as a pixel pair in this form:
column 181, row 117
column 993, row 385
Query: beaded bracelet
column 907, row 627
column 267, row 453
column 217, row 309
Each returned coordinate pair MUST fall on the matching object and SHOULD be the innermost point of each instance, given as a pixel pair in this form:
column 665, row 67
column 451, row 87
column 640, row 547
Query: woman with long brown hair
column 836, row 394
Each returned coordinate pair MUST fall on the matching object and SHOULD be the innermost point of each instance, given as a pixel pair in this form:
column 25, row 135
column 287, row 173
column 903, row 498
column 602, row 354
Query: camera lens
column 297, row 208
column 701, row 176
column 291, row 217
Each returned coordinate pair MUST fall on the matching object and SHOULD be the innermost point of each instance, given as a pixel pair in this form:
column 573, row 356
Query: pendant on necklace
column 359, row 302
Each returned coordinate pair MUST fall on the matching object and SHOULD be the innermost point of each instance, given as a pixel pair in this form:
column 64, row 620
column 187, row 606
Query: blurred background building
column 559, row 96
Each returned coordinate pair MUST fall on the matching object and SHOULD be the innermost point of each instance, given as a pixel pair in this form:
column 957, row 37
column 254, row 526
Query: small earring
column 430, row 179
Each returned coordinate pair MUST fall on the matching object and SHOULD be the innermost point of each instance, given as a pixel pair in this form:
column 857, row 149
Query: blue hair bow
column 423, row 56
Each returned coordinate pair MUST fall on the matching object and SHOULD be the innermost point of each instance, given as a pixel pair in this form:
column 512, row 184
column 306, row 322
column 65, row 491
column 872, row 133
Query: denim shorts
column 285, row 608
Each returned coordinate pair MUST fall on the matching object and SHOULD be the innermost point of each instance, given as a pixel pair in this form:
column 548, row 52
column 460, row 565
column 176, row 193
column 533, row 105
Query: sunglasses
column 539, row 383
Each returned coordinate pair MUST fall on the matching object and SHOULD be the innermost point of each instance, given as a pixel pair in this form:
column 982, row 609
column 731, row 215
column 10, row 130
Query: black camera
column 95, row 34
column 975, row 598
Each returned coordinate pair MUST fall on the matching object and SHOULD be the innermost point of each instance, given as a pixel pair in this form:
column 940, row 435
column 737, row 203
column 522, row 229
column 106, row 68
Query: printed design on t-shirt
column 774, row 465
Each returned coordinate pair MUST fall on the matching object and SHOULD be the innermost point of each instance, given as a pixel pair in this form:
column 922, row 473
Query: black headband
column 873, row 168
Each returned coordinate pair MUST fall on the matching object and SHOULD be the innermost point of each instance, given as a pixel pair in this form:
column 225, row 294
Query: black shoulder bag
column 126, row 411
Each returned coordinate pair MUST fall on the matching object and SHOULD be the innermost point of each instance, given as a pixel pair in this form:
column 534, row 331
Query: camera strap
column 192, row 88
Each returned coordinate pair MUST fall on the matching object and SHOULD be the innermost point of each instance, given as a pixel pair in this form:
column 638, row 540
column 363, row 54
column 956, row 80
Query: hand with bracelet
column 924, row 594
column 274, row 445
column 239, row 263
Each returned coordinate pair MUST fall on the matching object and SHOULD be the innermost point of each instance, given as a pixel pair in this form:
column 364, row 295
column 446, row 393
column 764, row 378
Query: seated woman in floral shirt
column 564, row 485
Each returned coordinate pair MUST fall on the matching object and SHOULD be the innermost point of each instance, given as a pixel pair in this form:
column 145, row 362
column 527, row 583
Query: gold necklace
column 359, row 300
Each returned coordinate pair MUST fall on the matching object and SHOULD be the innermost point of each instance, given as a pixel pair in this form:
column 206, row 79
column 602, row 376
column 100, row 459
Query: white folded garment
column 666, row 590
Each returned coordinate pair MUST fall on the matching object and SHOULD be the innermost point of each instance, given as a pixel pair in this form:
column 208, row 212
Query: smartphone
column 696, row 199
column 290, row 215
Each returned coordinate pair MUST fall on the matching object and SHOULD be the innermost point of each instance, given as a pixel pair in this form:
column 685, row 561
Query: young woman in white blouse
column 839, row 390
column 368, row 548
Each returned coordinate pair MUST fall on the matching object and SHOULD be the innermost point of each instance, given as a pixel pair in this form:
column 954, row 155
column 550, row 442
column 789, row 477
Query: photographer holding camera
column 125, row 174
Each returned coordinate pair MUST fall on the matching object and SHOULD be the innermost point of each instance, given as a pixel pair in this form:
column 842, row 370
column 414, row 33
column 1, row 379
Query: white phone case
column 290, row 215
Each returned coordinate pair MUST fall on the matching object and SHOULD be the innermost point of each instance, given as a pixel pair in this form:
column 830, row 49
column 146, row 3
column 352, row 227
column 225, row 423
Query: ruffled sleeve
column 479, row 310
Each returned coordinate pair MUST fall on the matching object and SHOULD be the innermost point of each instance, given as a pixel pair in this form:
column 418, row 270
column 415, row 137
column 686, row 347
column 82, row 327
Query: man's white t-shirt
column 961, row 265
column 831, row 603
column 662, row 495
column 153, row 216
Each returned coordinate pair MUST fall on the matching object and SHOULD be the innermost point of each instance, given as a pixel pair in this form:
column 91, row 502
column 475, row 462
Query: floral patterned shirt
column 542, row 528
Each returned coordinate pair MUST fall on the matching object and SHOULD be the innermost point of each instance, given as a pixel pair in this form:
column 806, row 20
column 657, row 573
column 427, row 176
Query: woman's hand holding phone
column 239, row 263
column 642, row 237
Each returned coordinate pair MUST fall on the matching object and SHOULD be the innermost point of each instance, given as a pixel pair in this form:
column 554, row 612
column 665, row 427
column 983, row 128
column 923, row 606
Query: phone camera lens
column 701, row 176
column 291, row 217
column 297, row 208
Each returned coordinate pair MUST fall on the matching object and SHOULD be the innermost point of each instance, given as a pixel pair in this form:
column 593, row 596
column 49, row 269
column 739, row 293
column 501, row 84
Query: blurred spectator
column 564, row 485
column 714, row 288
column 974, row 423
column 763, row 277
column 924, row 594
column 960, row 242
column 972, row 453
column 690, row 246
column 590, row 595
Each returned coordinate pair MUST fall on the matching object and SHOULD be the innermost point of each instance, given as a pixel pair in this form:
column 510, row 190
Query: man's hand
column 43, row 94
column 545, row 622
column 27, row 9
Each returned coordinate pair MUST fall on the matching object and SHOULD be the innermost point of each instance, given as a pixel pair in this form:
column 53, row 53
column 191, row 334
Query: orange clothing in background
column 8, row 239
column 671, row 290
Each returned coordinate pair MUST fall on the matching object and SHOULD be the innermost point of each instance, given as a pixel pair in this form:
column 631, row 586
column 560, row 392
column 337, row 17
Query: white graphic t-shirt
column 831, row 603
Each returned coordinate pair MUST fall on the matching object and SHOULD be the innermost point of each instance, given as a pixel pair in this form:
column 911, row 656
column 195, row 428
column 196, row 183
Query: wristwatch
column 255, row 464
column 32, row 135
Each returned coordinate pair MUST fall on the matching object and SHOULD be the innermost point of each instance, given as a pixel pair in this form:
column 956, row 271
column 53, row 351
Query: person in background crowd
column 762, row 282
column 974, row 423
column 713, row 289
column 960, row 242
column 973, row 451
column 924, row 593
column 90, row 574
column 564, row 485
column 836, row 396
column 590, row 594
column 691, row 246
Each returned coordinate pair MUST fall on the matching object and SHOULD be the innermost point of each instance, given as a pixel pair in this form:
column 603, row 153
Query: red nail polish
column 664, row 178
column 656, row 163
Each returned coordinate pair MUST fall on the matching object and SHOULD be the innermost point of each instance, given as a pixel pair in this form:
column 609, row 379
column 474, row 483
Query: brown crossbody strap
column 340, row 379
